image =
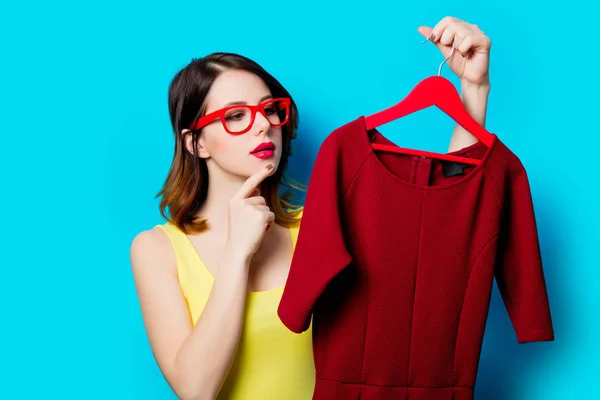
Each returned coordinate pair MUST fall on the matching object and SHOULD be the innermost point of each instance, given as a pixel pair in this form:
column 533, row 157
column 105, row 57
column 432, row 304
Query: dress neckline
column 365, row 141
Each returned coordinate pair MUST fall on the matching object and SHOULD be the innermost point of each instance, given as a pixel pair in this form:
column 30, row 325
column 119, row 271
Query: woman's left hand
column 470, row 61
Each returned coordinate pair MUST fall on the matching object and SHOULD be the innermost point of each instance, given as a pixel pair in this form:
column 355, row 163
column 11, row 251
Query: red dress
column 394, row 264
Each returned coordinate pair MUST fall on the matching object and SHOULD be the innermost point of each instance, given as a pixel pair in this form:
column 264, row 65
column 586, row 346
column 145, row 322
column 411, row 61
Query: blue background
column 86, row 143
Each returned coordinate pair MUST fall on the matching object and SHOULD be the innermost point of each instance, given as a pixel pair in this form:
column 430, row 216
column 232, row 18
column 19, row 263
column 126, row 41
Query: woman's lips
column 264, row 154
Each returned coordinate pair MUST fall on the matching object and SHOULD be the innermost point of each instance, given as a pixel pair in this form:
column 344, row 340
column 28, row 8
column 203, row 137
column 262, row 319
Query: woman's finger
column 480, row 42
column 255, row 200
column 440, row 27
column 253, row 182
column 425, row 31
column 448, row 35
column 270, row 216
column 464, row 44
column 463, row 40
column 449, row 31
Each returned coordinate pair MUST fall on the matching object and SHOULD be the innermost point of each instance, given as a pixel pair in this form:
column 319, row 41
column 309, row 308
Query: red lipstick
column 264, row 150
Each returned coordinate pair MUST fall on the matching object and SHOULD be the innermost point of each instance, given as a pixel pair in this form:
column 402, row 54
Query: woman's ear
column 188, row 137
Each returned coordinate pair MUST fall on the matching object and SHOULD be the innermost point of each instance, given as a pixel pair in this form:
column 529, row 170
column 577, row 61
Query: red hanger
column 432, row 91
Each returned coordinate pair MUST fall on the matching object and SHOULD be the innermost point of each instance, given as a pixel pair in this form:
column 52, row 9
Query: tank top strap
column 178, row 240
column 174, row 235
column 294, row 230
column 189, row 265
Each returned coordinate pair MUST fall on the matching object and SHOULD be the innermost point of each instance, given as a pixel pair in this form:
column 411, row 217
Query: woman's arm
column 474, row 98
column 470, row 61
column 193, row 359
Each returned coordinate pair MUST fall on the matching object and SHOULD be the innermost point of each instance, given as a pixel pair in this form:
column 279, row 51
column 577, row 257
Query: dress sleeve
column 519, row 273
column 321, row 251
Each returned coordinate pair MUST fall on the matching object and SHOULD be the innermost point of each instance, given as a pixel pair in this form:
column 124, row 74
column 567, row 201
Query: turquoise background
column 86, row 143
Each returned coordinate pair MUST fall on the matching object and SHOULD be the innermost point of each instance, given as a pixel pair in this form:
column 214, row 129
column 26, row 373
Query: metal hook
column 443, row 62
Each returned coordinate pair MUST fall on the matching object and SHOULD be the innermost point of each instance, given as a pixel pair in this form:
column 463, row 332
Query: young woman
column 210, row 279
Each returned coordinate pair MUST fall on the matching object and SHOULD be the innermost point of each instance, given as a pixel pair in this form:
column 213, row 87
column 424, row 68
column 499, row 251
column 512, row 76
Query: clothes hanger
column 431, row 91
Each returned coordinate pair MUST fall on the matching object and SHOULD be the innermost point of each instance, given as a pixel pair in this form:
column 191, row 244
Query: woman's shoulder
column 151, row 247
column 156, row 235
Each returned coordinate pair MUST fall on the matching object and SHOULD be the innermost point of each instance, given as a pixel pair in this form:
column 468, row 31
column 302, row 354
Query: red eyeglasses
column 238, row 119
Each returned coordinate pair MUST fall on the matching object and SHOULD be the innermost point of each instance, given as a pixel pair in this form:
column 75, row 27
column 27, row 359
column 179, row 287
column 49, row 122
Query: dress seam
column 476, row 260
column 412, row 315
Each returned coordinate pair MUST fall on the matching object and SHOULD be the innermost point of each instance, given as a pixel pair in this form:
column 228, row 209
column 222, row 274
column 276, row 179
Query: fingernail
column 432, row 37
column 269, row 167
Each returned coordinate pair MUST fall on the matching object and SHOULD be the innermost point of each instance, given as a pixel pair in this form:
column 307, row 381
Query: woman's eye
column 235, row 117
column 269, row 110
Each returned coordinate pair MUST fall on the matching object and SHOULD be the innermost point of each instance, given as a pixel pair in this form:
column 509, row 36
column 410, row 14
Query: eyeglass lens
column 238, row 119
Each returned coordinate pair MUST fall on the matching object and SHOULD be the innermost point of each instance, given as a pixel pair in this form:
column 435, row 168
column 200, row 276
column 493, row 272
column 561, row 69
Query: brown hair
column 186, row 185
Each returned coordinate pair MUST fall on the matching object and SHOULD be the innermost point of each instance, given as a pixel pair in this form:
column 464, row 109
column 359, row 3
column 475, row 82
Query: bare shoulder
column 151, row 249
column 164, row 310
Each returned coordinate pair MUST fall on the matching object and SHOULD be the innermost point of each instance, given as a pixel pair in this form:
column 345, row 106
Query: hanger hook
column 443, row 62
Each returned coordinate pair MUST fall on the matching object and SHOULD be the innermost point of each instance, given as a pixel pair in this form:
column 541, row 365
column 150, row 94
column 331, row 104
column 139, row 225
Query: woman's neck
column 221, row 188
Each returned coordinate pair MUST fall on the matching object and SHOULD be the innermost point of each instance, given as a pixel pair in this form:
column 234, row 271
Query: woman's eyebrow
column 232, row 103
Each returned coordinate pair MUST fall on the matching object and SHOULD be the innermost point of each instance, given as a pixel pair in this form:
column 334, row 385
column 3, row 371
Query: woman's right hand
column 249, row 216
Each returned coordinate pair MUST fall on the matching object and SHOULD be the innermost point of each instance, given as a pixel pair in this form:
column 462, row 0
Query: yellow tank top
column 271, row 361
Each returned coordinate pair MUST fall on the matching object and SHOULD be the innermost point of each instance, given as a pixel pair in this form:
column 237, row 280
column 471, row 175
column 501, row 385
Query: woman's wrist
column 475, row 98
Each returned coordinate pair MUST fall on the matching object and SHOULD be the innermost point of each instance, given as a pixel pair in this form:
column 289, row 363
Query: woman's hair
column 186, row 185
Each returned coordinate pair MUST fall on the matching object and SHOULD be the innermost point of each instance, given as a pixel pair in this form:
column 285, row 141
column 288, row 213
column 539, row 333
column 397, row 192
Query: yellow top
column 271, row 361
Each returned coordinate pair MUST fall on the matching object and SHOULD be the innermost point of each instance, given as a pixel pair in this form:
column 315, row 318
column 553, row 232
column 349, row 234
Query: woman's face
column 234, row 154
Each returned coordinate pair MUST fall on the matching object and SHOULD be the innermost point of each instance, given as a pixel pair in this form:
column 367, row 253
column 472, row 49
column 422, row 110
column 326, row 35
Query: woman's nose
column 262, row 124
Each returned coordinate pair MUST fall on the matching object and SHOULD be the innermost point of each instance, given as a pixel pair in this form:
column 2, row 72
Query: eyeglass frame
column 220, row 114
